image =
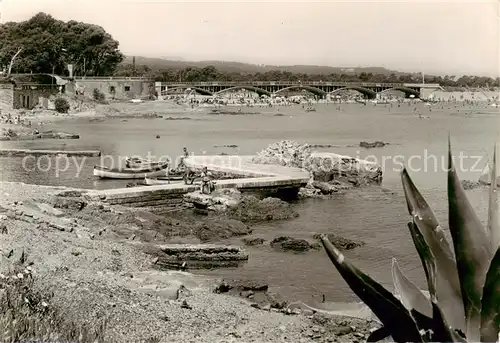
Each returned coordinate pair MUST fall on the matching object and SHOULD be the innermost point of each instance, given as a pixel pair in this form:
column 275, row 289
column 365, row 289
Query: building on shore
column 113, row 88
column 26, row 91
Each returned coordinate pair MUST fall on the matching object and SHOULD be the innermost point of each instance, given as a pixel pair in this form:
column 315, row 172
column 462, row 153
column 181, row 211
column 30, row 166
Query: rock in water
column 253, row 241
column 285, row 153
column 342, row 243
column 376, row 144
column 287, row 243
column 468, row 184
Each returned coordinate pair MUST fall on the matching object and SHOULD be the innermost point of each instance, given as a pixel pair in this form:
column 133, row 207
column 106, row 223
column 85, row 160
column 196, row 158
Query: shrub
column 98, row 95
column 464, row 287
column 26, row 315
column 61, row 105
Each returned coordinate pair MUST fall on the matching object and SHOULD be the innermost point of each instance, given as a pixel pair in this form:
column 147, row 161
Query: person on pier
column 207, row 186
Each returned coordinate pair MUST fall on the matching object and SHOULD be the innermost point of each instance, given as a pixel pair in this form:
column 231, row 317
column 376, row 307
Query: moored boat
column 130, row 173
column 137, row 162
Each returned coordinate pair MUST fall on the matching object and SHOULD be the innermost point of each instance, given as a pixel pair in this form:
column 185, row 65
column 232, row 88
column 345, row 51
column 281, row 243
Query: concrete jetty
column 258, row 177
column 28, row 152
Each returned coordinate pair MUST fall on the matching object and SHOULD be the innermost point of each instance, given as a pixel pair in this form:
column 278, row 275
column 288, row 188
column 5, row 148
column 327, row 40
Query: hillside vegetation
column 174, row 71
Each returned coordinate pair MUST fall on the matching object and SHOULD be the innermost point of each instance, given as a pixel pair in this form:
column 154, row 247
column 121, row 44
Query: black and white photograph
column 249, row 171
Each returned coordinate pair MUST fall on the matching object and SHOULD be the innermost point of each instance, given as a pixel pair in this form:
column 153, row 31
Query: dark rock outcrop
column 286, row 243
column 342, row 243
column 251, row 209
column 253, row 241
column 376, row 144
column 468, row 184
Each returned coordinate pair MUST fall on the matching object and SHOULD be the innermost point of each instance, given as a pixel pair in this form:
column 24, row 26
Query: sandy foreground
column 93, row 273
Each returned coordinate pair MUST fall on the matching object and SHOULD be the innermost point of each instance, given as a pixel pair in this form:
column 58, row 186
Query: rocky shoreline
column 91, row 262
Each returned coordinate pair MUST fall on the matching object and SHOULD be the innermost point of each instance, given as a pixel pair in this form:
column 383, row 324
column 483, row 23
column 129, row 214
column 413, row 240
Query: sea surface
column 375, row 215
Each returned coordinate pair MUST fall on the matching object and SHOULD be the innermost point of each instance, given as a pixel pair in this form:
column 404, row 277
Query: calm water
column 376, row 215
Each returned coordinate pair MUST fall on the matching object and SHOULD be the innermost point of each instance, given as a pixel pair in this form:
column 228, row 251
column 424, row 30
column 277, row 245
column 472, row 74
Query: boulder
column 217, row 201
column 325, row 187
column 468, row 184
column 251, row 209
column 286, row 243
column 238, row 286
column 327, row 167
column 251, row 241
column 342, row 243
column 285, row 153
column 376, row 144
column 68, row 203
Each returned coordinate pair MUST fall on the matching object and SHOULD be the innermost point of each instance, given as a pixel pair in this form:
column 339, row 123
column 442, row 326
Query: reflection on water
column 373, row 215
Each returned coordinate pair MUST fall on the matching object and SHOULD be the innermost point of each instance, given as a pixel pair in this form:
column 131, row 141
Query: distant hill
column 247, row 68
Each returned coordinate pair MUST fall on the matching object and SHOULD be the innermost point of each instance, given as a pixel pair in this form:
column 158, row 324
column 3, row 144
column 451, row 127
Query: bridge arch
column 365, row 91
column 313, row 90
column 199, row 90
column 407, row 91
column 257, row 90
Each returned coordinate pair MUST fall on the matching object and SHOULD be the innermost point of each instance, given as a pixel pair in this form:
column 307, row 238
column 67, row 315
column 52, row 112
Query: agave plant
column 463, row 304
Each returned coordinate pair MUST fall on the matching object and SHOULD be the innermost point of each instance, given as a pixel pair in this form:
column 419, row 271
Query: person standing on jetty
column 188, row 173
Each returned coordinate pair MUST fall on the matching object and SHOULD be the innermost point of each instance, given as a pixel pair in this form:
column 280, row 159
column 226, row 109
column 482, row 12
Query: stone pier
column 282, row 181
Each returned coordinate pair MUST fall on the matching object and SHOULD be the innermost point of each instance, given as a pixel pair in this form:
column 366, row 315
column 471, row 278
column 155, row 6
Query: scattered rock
column 226, row 146
column 341, row 243
column 186, row 305
column 253, row 241
column 286, row 243
column 239, row 286
column 376, row 144
column 285, row 153
column 68, row 203
column 251, row 209
column 71, row 194
column 325, row 187
column 468, row 184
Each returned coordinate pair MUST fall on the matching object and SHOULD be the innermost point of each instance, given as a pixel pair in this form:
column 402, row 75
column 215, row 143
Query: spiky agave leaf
column 490, row 311
column 493, row 211
column 447, row 285
column 426, row 257
column 412, row 297
column 393, row 315
column 441, row 330
column 472, row 250
column 378, row 335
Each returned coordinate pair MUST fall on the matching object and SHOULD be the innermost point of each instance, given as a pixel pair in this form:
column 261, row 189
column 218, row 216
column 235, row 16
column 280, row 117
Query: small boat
column 137, row 162
column 130, row 173
column 485, row 177
column 310, row 109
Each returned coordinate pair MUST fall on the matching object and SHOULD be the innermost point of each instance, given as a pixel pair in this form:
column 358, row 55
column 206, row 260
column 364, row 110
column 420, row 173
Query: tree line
column 48, row 45
column 210, row 73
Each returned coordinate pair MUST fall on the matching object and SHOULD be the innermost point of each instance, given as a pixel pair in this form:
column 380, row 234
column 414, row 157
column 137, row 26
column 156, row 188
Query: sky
column 444, row 37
